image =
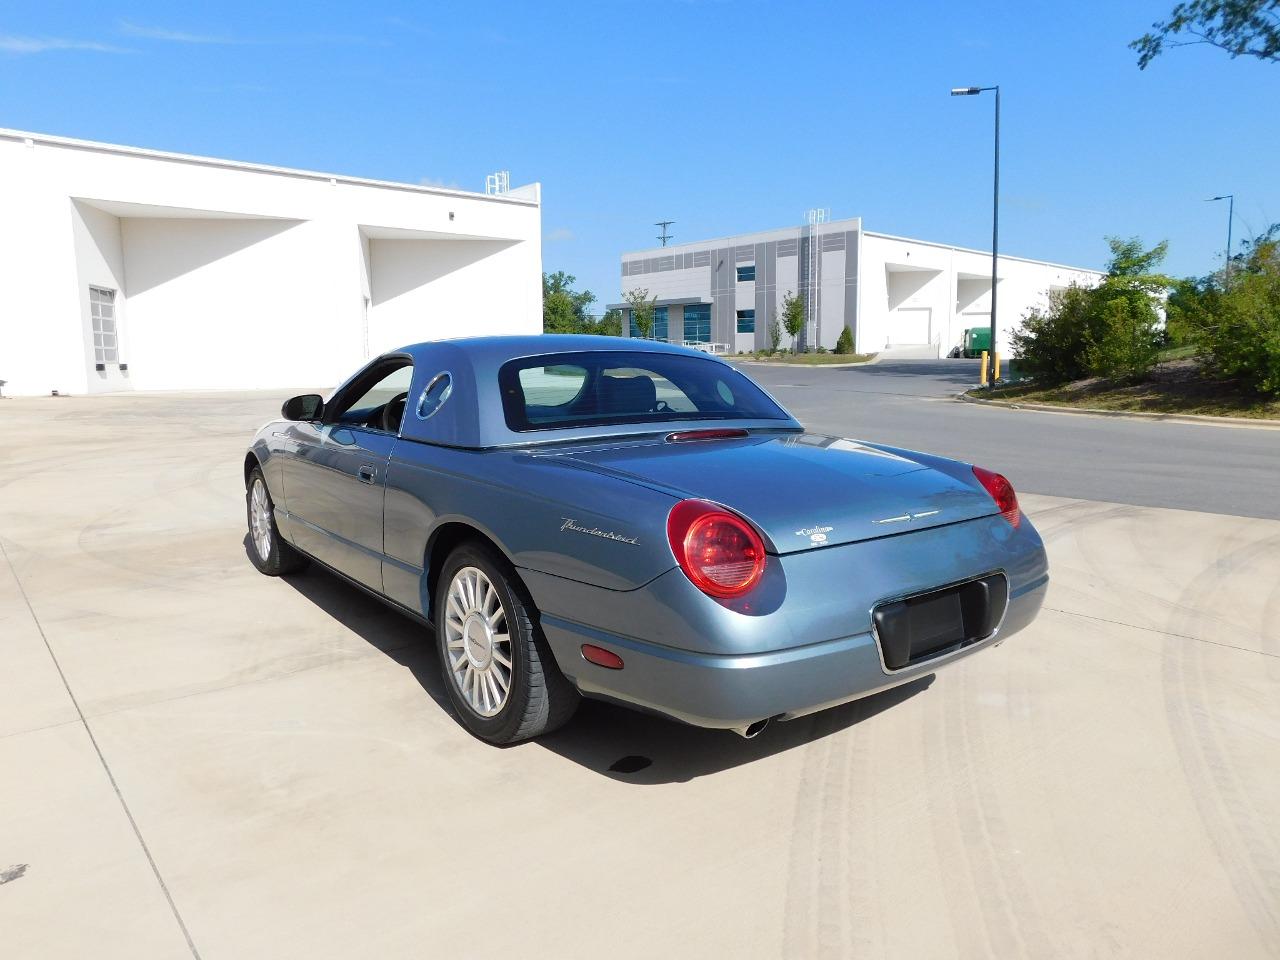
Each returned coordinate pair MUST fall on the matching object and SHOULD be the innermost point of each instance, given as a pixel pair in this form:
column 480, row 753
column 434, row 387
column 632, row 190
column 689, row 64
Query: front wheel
column 270, row 553
column 501, row 676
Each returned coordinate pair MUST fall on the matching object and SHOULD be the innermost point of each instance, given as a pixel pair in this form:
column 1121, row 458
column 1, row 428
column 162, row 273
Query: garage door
column 911, row 325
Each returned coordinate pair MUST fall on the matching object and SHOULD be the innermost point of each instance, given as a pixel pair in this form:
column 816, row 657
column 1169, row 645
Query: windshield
column 624, row 387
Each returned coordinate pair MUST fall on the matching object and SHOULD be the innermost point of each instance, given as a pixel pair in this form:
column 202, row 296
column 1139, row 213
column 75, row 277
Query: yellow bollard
column 982, row 380
column 995, row 375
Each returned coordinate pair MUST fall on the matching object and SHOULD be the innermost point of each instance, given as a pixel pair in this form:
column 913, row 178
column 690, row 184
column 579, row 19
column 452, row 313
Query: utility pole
column 665, row 235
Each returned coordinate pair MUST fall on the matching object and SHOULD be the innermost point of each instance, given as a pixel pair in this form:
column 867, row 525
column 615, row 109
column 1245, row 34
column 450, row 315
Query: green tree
column 844, row 343
column 642, row 308
column 793, row 315
column 1240, row 27
column 564, row 310
column 609, row 325
column 1237, row 325
column 1124, row 334
column 1110, row 330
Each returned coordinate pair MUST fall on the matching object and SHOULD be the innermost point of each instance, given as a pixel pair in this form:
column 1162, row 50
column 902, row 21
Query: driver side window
column 377, row 400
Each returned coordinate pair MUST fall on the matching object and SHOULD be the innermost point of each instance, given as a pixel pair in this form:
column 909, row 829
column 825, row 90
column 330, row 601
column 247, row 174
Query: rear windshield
column 623, row 387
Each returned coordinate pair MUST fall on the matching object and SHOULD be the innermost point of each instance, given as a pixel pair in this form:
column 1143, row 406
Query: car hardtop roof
column 473, row 417
column 498, row 350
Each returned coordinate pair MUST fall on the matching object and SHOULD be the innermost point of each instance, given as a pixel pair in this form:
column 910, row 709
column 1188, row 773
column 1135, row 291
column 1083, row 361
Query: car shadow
column 633, row 747
column 608, row 739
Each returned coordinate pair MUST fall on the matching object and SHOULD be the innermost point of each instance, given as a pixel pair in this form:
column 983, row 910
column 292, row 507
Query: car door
column 334, row 481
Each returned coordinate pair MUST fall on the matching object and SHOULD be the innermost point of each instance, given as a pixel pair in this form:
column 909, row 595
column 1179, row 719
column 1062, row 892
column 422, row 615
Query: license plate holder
column 931, row 624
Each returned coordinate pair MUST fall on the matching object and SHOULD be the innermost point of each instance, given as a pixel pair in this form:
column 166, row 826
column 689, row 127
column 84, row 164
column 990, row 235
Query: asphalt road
column 908, row 403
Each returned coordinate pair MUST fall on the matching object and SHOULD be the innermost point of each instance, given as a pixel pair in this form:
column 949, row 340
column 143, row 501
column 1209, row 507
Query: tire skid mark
column 831, row 904
column 971, row 939
column 1064, row 519
column 800, row 927
column 1010, row 915
column 1235, row 818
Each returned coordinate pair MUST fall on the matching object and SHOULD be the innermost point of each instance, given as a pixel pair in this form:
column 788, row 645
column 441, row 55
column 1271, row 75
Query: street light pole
column 1231, row 215
column 995, row 215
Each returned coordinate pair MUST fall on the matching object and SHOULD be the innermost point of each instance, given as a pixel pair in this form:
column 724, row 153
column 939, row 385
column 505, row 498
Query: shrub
column 1051, row 343
column 1239, row 328
column 1110, row 330
column 844, row 344
column 1124, row 339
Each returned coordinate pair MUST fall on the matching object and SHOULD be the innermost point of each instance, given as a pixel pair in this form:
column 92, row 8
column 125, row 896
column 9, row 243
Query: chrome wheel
column 478, row 642
column 260, row 519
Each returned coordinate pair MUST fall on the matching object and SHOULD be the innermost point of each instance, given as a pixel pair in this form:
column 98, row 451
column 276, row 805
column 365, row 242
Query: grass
column 809, row 359
column 1178, row 386
column 1175, row 353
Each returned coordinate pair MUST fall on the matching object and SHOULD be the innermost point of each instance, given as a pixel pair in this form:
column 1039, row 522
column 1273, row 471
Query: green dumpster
column 977, row 339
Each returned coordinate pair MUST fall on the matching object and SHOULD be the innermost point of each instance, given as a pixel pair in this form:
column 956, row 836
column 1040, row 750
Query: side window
column 377, row 400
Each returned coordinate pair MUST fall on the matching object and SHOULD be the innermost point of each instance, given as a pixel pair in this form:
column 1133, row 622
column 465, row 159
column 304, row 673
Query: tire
column 280, row 557
column 469, row 631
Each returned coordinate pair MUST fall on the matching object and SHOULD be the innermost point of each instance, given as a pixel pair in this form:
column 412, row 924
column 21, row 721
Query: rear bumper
column 710, row 690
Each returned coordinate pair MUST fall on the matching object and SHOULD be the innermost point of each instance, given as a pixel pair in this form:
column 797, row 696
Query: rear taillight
column 1001, row 491
column 717, row 550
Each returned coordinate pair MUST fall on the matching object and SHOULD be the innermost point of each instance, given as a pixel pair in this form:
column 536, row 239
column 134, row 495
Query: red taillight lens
column 1001, row 491
column 717, row 550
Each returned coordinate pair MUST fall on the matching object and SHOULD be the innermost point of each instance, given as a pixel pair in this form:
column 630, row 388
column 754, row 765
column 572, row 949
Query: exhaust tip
column 752, row 730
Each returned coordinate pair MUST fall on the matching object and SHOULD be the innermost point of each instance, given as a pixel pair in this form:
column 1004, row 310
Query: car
column 638, row 522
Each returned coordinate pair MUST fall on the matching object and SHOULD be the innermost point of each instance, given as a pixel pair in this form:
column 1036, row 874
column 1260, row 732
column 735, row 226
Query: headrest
column 627, row 395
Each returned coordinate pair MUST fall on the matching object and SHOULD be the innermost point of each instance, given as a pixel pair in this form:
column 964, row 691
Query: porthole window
column 434, row 395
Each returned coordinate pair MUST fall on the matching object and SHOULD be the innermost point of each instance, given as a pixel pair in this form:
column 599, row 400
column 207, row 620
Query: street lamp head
column 1225, row 196
column 965, row 91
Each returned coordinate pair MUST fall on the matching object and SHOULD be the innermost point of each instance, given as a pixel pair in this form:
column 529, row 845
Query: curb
column 1193, row 418
column 806, row 366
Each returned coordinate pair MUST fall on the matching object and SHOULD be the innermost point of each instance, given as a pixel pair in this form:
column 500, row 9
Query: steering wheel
column 392, row 413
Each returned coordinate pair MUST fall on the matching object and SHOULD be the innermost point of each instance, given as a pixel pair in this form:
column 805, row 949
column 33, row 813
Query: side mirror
column 309, row 406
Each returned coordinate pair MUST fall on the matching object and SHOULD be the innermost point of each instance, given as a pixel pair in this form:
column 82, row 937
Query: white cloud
column 167, row 35
column 12, row 44
column 171, row 36
column 560, row 233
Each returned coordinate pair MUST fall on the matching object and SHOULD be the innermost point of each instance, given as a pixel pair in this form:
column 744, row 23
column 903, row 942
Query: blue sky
column 723, row 116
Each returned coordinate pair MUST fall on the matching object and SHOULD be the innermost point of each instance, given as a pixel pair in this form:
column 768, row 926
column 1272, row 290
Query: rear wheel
column 267, row 549
column 500, row 673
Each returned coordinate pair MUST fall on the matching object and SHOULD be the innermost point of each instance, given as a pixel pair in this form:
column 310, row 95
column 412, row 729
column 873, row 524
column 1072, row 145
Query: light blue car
column 636, row 522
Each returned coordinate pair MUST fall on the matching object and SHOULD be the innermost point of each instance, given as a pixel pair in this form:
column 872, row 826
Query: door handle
column 366, row 474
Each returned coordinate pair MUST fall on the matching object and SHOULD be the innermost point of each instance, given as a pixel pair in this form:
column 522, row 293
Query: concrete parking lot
column 196, row 760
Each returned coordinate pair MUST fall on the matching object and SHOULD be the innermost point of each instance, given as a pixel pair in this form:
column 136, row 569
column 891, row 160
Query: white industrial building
column 123, row 269
column 912, row 297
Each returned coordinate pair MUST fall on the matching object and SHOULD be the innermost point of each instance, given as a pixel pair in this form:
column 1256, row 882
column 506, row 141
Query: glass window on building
column 747, row 273
column 746, row 321
column 102, row 310
column 660, row 323
column 659, row 331
column 697, row 323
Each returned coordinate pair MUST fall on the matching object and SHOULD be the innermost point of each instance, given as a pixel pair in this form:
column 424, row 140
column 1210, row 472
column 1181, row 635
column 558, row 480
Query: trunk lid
column 802, row 490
